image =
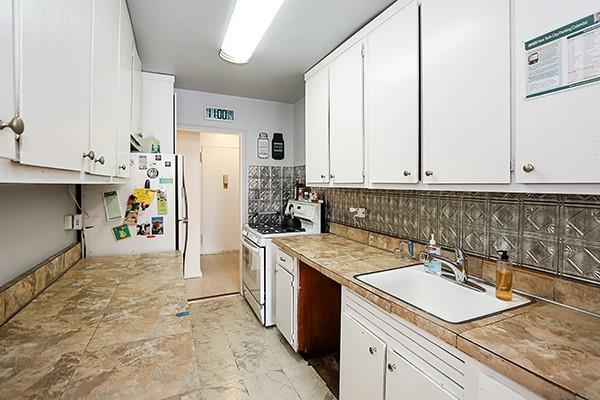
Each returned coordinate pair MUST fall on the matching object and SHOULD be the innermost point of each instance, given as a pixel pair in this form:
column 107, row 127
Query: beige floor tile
column 308, row 383
column 219, row 372
column 195, row 395
column 230, row 391
column 272, row 385
column 147, row 369
column 220, row 275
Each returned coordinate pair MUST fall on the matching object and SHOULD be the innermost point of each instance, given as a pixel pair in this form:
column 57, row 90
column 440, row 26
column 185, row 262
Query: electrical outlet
column 68, row 222
column 78, row 221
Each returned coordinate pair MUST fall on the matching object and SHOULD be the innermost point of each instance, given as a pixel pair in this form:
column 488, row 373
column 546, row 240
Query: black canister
column 277, row 147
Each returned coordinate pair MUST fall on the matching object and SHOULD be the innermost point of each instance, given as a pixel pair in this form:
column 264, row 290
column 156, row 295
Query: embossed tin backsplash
column 269, row 189
column 559, row 234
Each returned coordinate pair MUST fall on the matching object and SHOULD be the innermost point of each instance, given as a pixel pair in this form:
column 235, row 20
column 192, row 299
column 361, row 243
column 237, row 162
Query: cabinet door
column 491, row 389
column 317, row 127
column 7, row 98
column 557, row 134
column 362, row 362
column 284, row 298
column 125, row 92
column 404, row 381
column 346, row 118
column 392, row 104
column 56, row 71
column 137, row 92
column 105, row 85
column 466, row 91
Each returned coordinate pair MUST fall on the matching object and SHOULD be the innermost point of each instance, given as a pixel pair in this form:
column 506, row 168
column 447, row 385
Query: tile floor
column 220, row 275
column 240, row 359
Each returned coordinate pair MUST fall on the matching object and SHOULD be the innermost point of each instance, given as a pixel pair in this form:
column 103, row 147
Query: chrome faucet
column 458, row 268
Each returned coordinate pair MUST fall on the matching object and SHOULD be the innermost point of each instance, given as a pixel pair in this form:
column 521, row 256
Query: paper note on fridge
column 145, row 196
column 161, row 203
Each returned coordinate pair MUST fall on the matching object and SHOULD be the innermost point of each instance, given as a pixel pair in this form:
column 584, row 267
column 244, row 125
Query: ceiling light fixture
column 248, row 24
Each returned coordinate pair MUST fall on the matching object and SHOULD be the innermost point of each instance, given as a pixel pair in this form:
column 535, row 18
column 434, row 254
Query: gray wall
column 299, row 128
column 31, row 226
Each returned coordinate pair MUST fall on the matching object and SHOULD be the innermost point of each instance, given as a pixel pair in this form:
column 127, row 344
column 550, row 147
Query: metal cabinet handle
column 372, row 349
column 100, row 160
column 15, row 124
column 281, row 259
column 528, row 168
column 391, row 367
column 406, row 173
column 123, row 167
column 428, row 173
column 90, row 154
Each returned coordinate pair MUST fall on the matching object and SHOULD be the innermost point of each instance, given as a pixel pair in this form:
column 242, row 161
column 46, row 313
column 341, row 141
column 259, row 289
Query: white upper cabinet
column 346, row 130
column 7, row 93
column 557, row 134
column 137, row 93
column 317, row 127
column 466, row 91
column 105, row 83
column 392, row 100
column 125, row 112
column 55, row 72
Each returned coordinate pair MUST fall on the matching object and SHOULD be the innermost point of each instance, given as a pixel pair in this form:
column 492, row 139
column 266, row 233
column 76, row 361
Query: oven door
column 253, row 269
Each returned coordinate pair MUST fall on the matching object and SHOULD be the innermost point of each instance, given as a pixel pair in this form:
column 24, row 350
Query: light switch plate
column 78, row 221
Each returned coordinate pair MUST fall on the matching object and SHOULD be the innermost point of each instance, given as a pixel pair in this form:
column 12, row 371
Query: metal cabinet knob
column 322, row 176
column 90, row 154
column 100, row 160
column 123, row 167
column 391, row 367
column 372, row 349
column 428, row 173
column 528, row 167
column 406, row 173
column 15, row 124
column 332, row 176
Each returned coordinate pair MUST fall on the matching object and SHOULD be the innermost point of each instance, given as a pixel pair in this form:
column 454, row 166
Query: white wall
column 252, row 116
column 31, row 226
column 299, row 133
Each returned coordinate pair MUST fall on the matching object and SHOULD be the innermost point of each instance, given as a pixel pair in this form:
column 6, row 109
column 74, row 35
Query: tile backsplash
column 269, row 189
column 559, row 234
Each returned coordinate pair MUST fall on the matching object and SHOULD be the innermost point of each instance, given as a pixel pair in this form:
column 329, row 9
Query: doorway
column 212, row 174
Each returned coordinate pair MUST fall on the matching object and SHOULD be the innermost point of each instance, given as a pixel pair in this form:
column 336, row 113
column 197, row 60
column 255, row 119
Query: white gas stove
column 258, row 257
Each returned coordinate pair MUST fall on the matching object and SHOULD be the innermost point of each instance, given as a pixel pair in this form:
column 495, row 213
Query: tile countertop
column 552, row 350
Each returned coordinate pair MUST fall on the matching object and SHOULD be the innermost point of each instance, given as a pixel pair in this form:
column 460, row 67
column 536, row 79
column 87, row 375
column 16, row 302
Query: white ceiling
column 182, row 37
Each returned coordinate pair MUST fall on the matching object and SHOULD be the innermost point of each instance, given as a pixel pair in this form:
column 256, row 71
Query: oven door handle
column 250, row 246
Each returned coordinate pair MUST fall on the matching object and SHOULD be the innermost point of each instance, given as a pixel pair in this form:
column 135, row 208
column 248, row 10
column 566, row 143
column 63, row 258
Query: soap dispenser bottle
column 504, row 277
column 433, row 266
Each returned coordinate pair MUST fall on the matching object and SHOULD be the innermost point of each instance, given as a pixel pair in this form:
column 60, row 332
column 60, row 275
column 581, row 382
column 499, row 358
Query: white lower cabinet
column 362, row 362
column 284, row 310
column 405, row 381
column 7, row 99
column 385, row 357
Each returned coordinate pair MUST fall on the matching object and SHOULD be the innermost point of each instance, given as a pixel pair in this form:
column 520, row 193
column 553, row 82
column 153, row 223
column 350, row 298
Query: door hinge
column 362, row 51
column 200, row 156
column 512, row 165
column 201, row 239
column 364, row 173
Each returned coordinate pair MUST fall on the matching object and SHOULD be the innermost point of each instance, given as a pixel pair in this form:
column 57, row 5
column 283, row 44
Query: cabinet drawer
column 285, row 261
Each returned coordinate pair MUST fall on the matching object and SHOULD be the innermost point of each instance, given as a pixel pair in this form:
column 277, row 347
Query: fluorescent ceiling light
column 248, row 24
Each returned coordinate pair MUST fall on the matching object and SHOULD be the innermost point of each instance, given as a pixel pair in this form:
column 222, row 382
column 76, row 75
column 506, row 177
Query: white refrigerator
column 155, row 219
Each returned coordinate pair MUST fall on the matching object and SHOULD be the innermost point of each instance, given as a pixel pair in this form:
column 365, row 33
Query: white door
column 405, row 381
column 220, row 199
column 55, row 72
column 105, row 85
column 7, row 99
column 137, row 92
column 556, row 134
column 346, row 116
column 317, row 127
column 125, row 92
column 392, row 80
column 362, row 362
column 466, row 91
column 284, row 298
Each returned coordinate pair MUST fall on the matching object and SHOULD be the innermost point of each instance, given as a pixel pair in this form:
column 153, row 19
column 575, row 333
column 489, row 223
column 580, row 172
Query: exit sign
column 219, row 114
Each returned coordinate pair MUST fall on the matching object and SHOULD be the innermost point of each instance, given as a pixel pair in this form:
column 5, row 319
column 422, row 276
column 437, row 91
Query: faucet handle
column 460, row 256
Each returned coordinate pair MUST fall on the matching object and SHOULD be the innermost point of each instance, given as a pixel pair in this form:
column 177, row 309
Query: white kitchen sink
column 437, row 296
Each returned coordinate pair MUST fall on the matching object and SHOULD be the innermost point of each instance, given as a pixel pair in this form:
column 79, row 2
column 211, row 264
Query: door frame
column 241, row 134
